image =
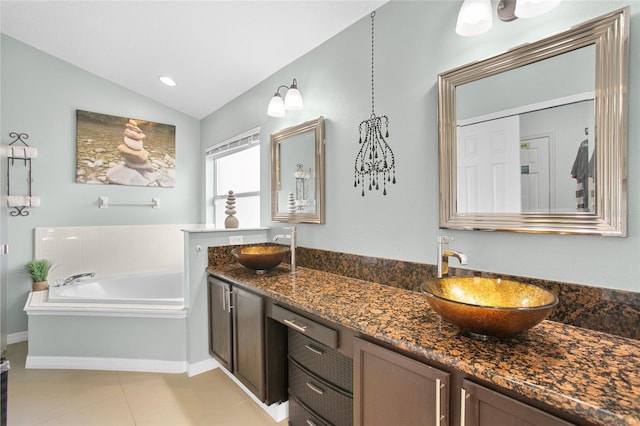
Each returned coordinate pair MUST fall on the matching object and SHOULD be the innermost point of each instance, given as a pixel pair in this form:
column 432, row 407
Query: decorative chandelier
column 375, row 157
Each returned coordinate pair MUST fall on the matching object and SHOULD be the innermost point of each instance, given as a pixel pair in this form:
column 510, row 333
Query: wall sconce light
column 475, row 16
column 533, row 8
column 292, row 100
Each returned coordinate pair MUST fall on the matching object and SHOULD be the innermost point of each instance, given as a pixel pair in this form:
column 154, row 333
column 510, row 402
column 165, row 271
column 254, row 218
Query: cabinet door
column 220, row 322
column 391, row 389
column 481, row 406
column 248, row 350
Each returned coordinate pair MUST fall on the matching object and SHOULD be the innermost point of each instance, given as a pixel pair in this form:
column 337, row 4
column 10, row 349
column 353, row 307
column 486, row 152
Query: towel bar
column 103, row 203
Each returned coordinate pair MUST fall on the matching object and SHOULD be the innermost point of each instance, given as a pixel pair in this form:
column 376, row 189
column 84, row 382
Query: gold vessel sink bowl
column 260, row 258
column 482, row 307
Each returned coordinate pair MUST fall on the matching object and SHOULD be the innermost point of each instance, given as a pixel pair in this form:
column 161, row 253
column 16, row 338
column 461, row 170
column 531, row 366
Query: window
column 234, row 165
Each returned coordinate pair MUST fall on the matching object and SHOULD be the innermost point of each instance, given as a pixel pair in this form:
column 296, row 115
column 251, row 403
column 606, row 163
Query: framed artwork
column 124, row 151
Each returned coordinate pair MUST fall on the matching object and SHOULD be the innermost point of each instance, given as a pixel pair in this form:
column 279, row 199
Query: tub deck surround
column 38, row 304
column 587, row 374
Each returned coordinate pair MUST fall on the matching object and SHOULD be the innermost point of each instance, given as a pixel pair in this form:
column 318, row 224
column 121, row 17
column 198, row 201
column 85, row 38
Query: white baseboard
column 111, row 364
column 277, row 411
column 199, row 367
column 18, row 337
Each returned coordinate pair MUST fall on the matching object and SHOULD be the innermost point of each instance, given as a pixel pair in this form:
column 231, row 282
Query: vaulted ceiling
column 215, row 50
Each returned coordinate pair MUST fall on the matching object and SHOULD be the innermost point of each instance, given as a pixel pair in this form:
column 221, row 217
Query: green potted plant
column 39, row 269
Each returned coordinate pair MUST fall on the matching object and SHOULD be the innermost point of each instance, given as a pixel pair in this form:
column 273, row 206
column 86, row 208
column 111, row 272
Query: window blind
column 234, row 144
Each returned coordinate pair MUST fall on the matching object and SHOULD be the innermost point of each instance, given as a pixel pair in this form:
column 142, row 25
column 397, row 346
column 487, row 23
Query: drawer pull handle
column 463, row 406
column 315, row 389
column 314, row 350
column 292, row 324
column 439, row 416
column 310, row 423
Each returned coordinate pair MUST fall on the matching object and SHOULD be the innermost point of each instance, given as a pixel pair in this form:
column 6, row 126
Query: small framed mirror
column 297, row 173
column 535, row 139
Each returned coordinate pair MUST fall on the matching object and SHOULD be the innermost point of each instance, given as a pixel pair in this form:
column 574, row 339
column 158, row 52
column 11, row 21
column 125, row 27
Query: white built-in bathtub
column 153, row 288
column 133, row 322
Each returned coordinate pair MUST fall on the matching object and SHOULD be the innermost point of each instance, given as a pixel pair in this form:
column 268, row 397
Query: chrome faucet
column 292, row 238
column 444, row 254
column 75, row 278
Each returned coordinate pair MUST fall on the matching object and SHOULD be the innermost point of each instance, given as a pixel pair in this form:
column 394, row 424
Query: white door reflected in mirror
column 540, row 161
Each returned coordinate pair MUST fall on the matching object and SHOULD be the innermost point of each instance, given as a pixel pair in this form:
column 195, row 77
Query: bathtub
column 153, row 288
column 135, row 322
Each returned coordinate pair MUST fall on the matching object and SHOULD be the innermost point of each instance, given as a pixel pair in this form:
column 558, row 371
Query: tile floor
column 117, row 398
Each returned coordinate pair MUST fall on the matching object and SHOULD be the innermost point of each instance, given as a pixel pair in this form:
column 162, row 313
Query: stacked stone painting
column 124, row 151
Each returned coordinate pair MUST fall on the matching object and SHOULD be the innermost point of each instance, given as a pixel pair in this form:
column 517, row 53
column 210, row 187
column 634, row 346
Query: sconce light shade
column 292, row 100
column 533, row 8
column 475, row 17
column 276, row 106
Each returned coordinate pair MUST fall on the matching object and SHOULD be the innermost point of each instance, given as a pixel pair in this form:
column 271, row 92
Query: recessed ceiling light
column 167, row 80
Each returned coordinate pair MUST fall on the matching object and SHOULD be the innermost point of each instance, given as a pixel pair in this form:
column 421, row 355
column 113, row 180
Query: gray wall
column 40, row 95
column 414, row 42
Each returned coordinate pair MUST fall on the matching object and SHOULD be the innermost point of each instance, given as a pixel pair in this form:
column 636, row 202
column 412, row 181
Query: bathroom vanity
column 410, row 369
column 238, row 336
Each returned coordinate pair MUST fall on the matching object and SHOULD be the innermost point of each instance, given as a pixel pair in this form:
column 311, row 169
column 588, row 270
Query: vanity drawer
column 327, row 400
column 299, row 415
column 306, row 326
column 321, row 360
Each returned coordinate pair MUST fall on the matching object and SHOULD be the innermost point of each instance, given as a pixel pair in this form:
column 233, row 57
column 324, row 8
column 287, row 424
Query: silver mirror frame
column 610, row 34
column 317, row 126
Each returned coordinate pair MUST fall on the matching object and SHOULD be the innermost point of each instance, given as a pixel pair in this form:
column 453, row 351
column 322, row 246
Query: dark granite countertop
column 587, row 374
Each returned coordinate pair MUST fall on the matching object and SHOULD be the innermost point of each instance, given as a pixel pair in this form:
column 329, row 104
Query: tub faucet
column 444, row 254
column 292, row 239
column 75, row 278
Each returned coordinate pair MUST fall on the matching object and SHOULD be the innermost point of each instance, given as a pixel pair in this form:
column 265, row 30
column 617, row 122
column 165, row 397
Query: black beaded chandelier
column 375, row 157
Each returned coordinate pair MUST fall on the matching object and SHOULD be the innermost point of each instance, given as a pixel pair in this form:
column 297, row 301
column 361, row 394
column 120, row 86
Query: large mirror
column 534, row 139
column 297, row 173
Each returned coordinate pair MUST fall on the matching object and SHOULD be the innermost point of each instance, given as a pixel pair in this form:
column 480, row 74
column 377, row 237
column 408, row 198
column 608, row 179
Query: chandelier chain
column 373, row 14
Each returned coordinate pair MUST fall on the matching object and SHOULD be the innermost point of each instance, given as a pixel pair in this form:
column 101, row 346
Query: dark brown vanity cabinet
column 333, row 378
column 320, row 383
column 220, row 336
column 392, row 389
column 238, row 340
column 481, row 406
column 248, row 340
column 320, row 372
